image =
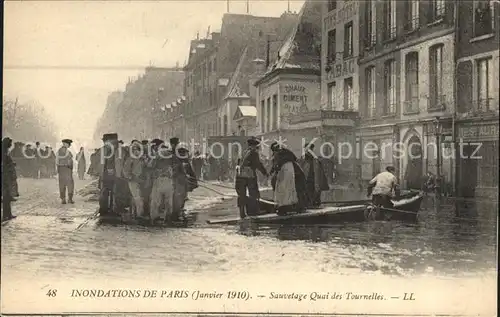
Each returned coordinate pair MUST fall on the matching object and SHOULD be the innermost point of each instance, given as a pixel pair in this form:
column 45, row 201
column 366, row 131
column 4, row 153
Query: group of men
column 144, row 178
column 34, row 161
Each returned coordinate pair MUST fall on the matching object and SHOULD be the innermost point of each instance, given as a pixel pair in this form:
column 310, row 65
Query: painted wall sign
column 295, row 98
column 340, row 16
column 339, row 115
column 484, row 131
column 342, row 69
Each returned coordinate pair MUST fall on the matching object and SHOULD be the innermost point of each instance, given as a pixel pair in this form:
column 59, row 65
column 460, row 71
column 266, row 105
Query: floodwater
column 452, row 238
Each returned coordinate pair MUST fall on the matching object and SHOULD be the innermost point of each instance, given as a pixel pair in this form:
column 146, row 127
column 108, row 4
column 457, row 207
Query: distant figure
column 197, row 164
column 82, row 164
column 65, row 170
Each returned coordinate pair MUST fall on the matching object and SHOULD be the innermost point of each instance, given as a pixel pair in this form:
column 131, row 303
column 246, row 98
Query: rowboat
column 405, row 209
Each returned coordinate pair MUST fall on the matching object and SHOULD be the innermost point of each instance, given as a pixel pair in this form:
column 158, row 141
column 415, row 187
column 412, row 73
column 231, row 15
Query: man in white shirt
column 384, row 187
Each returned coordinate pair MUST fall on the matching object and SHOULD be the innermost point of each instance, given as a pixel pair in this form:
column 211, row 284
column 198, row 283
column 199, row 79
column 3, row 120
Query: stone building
column 477, row 98
column 406, row 75
column 212, row 64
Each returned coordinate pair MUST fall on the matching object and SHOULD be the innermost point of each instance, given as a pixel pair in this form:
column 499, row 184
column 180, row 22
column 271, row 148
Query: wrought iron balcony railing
column 437, row 103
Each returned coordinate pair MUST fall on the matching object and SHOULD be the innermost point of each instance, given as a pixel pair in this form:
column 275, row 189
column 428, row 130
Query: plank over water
column 310, row 213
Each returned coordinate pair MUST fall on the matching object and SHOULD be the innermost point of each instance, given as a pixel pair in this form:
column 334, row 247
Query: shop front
column 477, row 155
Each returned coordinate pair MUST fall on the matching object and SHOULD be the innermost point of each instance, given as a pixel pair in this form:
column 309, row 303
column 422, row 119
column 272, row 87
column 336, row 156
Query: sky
column 68, row 55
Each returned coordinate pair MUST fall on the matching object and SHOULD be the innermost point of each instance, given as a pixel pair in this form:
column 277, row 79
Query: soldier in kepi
column 65, row 171
column 246, row 178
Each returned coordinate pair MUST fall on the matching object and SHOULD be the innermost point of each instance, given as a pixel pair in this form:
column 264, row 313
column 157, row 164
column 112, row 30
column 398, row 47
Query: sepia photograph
column 250, row 157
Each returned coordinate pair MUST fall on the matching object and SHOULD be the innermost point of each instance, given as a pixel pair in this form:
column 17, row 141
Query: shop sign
column 295, row 98
column 341, row 15
column 478, row 131
column 342, row 69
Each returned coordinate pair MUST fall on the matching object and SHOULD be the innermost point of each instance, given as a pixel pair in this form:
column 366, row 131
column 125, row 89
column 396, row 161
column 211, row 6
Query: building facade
column 339, row 55
column 477, row 104
column 406, row 76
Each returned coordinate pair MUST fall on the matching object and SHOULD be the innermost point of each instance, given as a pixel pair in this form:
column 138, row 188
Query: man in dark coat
column 316, row 181
column 107, row 172
column 246, row 179
column 8, row 179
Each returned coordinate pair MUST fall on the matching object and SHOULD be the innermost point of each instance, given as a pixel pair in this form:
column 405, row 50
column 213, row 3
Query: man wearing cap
column 64, row 162
column 316, row 181
column 133, row 171
column 246, row 178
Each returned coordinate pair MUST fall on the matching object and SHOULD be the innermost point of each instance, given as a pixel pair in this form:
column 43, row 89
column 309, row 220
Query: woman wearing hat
column 288, row 181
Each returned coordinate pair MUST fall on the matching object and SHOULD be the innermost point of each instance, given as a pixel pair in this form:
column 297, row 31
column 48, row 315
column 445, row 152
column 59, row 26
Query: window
column 269, row 123
column 348, row 94
column 371, row 23
column 348, row 40
column 436, row 75
column 485, row 84
column 332, row 5
column 390, row 19
column 275, row 112
column 484, row 17
column 370, row 91
column 390, row 87
column 412, row 15
column 331, row 95
column 411, row 81
column 225, row 125
column 262, row 115
column 332, row 46
column 438, row 9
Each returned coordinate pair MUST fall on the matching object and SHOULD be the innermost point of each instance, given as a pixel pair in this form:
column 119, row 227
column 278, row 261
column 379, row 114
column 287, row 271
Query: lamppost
column 155, row 105
column 438, row 131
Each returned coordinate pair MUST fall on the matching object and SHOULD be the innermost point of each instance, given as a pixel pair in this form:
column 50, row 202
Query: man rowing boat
column 384, row 187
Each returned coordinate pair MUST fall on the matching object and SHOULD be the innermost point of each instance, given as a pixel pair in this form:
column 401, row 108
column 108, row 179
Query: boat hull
column 404, row 210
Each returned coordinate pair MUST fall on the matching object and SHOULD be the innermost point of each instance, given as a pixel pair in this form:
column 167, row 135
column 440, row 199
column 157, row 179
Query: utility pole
column 15, row 112
column 227, row 3
column 248, row 6
column 288, row 6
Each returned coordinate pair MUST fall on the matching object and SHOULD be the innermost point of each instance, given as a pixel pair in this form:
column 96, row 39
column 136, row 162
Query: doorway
column 414, row 170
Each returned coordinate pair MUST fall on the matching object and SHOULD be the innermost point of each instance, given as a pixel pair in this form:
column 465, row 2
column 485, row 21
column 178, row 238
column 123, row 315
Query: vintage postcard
column 256, row 157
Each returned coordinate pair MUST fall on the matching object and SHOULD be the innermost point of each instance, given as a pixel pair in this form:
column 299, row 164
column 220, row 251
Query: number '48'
column 52, row 293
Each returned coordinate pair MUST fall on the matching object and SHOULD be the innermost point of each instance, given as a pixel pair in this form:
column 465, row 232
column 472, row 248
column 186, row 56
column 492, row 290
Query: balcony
column 412, row 25
column 482, row 107
column 320, row 115
column 437, row 103
column 411, row 106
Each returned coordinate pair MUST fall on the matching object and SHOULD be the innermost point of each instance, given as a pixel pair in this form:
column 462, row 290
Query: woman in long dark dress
column 80, row 158
column 288, row 181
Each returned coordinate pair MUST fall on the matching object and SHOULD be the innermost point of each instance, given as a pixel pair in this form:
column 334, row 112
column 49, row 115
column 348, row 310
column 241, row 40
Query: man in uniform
column 246, row 178
column 8, row 179
column 65, row 171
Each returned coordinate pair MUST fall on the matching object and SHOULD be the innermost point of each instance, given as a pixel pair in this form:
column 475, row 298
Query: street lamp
column 438, row 131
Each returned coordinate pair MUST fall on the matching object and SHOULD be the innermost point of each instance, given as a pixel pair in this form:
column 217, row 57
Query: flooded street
column 56, row 240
